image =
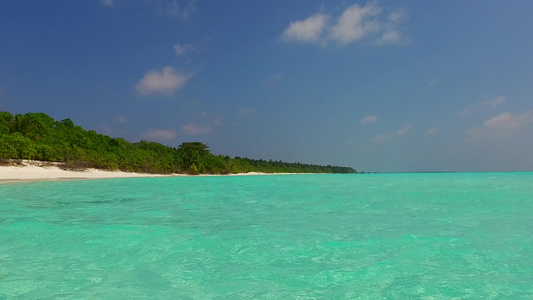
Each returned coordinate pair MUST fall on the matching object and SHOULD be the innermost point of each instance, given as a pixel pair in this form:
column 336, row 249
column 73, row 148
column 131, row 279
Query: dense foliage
column 38, row 136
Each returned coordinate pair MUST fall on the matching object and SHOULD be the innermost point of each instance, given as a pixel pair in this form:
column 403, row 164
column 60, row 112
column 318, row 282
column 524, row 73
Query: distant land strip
column 37, row 136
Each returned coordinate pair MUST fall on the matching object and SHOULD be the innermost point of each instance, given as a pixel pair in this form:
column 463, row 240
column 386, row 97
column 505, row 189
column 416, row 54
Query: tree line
column 37, row 136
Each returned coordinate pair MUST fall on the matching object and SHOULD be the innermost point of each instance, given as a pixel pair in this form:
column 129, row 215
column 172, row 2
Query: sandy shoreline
column 40, row 171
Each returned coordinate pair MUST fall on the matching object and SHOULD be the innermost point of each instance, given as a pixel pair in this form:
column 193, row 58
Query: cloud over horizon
column 432, row 131
column 247, row 111
column 493, row 103
column 122, row 120
column 389, row 136
column 356, row 23
column 158, row 135
column 404, row 130
column 369, row 119
column 483, row 105
column 194, row 129
column 509, row 121
column 502, row 125
column 165, row 82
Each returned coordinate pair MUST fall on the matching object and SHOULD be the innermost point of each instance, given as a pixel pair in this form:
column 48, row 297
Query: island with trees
column 37, row 136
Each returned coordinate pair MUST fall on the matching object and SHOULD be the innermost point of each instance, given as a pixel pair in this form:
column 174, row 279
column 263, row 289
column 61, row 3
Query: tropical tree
column 23, row 146
column 193, row 155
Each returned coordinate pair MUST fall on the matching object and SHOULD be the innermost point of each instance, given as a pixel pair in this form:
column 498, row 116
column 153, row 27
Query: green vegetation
column 37, row 136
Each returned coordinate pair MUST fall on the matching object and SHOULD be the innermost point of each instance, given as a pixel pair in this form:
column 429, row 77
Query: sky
column 381, row 86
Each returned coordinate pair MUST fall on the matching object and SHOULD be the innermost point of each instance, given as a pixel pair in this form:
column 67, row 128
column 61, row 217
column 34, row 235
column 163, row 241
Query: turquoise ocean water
column 383, row 236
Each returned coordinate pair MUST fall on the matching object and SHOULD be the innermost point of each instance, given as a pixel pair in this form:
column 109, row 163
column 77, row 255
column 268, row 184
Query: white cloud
column 355, row 24
column 183, row 49
column 198, row 46
column 389, row 37
column 108, row 3
column 165, row 82
column 505, row 124
column 122, row 120
column 397, row 16
column 432, row 131
column 193, row 129
column 389, row 136
column 273, row 80
column 464, row 113
column 483, row 105
column 308, row 30
column 493, row 103
column 404, row 130
column 174, row 9
column 158, row 135
column 390, row 33
column 384, row 137
column 508, row 121
column 170, row 8
column 247, row 111
column 369, row 119
column 217, row 121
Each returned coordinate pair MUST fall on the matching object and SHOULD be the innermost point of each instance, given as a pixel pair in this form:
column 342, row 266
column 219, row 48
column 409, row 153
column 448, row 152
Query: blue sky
column 379, row 85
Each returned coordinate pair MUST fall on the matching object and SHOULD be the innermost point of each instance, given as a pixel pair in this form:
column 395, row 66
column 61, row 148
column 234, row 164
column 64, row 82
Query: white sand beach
column 37, row 171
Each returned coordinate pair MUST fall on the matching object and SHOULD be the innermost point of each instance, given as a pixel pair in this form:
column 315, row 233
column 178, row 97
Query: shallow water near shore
column 366, row 236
